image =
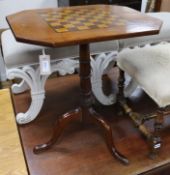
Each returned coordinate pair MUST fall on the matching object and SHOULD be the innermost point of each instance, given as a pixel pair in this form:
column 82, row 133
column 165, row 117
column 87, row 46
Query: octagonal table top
column 80, row 25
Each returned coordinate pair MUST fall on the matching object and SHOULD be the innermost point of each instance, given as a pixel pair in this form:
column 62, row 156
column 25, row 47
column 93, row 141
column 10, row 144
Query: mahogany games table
column 81, row 26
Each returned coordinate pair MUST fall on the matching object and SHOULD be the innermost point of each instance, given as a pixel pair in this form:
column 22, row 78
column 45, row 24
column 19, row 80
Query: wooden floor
column 81, row 150
column 12, row 160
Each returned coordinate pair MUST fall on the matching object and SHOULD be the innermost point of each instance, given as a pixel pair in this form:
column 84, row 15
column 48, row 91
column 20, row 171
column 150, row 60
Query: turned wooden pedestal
column 85, row 111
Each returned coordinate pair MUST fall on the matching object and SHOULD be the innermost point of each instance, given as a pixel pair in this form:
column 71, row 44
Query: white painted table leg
column 32, row 79
column 36, row 83
column 100, row 65
column 20, row 87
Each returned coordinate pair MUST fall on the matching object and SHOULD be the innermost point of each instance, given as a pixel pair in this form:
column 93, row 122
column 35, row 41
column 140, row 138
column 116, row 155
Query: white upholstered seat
column 150, row 68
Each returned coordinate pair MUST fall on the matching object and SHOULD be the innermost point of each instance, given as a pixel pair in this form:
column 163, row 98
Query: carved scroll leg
column 97, row 119
column 100, row 65
column 156, row 141
column 20, row 87
column 34, row 109
column 35, row 82
column 60, row 125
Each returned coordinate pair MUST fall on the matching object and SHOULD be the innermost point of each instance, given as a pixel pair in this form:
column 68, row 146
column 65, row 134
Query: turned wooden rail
column 158, row 5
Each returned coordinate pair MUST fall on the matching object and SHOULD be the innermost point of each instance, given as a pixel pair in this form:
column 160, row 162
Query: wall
column 63, row 3
column 165, row 6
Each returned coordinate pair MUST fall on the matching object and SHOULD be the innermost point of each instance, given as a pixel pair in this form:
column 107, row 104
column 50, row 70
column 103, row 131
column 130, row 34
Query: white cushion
column 164, row 34
column 18, row 54
column 150, row 67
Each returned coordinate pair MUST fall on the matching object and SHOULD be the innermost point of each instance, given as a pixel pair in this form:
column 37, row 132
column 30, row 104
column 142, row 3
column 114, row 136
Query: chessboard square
column 107, row 22
column 69, row 25
column 82, row 27
column 80, row 18
column 53, row 24
column 60, row 30
column 88, row 24
column 77, row 19
column 102, row 25
column 75, row 22
column 67, row 17
column 92, row 20
column 67, row 11
column 98, row 17
column 90, row 14
column 62, row 20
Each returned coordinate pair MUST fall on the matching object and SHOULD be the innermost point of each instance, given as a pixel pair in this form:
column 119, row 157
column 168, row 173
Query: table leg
column 85, row 84
column 85, row 111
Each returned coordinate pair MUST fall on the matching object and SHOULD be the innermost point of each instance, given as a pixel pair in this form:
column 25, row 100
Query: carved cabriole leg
column 59, row 126
column 97, row 119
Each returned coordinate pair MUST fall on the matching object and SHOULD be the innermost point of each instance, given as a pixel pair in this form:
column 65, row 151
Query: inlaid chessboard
column 67, row 20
